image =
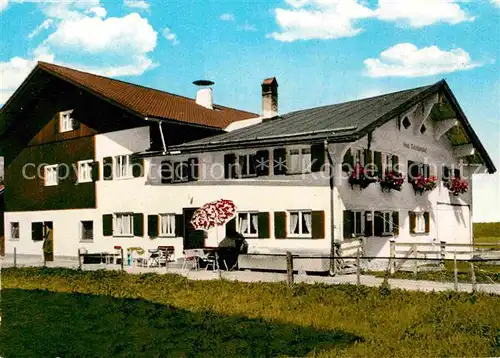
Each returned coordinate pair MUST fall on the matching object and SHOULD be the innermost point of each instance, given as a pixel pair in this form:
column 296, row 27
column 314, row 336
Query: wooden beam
column 444, row 126
column 463, row 150
column 425, row 108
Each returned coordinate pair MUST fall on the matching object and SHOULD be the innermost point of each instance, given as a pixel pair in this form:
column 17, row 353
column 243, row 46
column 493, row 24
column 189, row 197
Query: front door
column 48, row 241
column 193, row 239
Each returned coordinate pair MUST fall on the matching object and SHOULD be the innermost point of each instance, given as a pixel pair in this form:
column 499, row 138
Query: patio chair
column 207, row 259
column 154, row 257
column 136, row 256
column 167, row 254
column 190, row 258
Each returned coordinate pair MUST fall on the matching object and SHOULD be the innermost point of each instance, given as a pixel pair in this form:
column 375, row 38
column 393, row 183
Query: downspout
column 161, row 132
column 331, row 178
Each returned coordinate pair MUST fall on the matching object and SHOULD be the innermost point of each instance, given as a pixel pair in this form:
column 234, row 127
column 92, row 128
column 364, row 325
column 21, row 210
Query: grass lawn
column 56, row 312
column 487, row 240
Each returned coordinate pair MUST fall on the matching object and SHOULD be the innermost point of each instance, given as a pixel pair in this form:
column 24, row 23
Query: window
column 167, row 224
column 85, row 171
column 123, row 225
column 359, row 156
column 181, row 171
column 419, row 223
column 299, row 161
column 387, row 164
column 423, row 129
column 300, row 223
column 388, row 224
column 406, row 123
column 358, row 225
column 51, row 175
column 248, row 224
column 247, row 165
column 86, row 230
column 65, row 121
column 14, row 231
column 122, row 166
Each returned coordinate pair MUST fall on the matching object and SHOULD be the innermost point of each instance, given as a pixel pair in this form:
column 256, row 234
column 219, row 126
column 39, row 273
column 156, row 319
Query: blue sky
column 321, row 51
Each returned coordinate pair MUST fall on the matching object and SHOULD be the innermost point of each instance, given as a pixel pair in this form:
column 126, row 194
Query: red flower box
column 422, row 184
column 361, row 176
column 457, row 186
column 392, row 180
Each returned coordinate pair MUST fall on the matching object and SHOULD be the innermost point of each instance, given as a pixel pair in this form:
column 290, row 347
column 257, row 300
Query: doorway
column 193, row 239
column 48, row 241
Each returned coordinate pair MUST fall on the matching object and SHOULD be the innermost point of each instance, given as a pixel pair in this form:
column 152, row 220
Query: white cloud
column 170, row 36
column 247, row 27
column 494, row 2
column 422, row 12
column 99, row 11
column 227, row 17
column 319, row 19
column 3, row 4
column 43, row 26
column 406, row 60
column 136, row 4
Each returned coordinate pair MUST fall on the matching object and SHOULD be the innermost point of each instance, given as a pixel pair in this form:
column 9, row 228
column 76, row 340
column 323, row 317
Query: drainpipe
column 161, row 132
column 331, row 170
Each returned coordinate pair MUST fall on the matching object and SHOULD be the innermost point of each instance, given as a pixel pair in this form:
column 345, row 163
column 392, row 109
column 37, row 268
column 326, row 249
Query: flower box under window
column 457, row 186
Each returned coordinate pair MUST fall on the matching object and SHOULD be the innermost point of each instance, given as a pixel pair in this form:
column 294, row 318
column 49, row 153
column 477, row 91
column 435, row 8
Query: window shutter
column 137, row 167
column 74, row 175
column 456, row 173
column 75, row 124
column 279, row 163
column 264, row 226
column 229, row 166
column 57, row 120
column 368, row 224
column 395, row 163
column 107, row 225
column 193, row 169
column 348, row 229
column 166, row 172
column 378, row 164
column 231, row 227
column 61, row 173
column 446, row 174
column 368, row 157
column 378, row 223
column 37, row 231
column 280, row 225
column 317, row 157
column 179, row 225
column 412, row 170
column 427, row 222
column 107, row 167
column 138, row 224
column 262, row 163
column 395, row 223
column 413, row 222
column 153, row 226
column 318, row 224
column 95, row 171
column 348, row 161
column 426, row 170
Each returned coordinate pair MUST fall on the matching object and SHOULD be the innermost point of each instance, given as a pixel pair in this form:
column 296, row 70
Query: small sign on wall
column 415, row 147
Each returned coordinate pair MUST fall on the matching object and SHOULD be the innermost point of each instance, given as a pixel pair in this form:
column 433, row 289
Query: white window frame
column 387, row 217
column 386, row 162
column 249, row 165
column 65, row 121
column 85, row 171
column 361, row 231
column 304, row 163
column 18, row 231
column 249, row 215
column 118, row 163
column 419, row 222
column 130, row 233
column 301, row 233
column 171, row 228
column 82, row 239
column 53, row 179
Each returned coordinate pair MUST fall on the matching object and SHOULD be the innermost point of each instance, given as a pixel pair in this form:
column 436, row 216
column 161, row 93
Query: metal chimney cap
column 203, row 83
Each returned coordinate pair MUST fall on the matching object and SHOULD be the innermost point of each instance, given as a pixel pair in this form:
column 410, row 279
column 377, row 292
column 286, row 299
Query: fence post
column 289, row 268
column 79, row 260
column 358, row 267
column 392, row 263
column 455, row 271
column 121, row 255
column 442, row 252
column 473, row 277
column 15, row 257
column 415, row 264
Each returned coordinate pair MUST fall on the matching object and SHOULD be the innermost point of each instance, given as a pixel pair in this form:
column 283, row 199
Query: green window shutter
column 378, row 163
column 193, row 169
column 378, row 223
column 107, row 165
column 62, row 173
column 153, row 225
column 426, row 170
column 279, row 164
column 413, row 222
column 413, row 171
column 427, row 222
column 138, row 224
column 74, row 175
column 95, row 171
column 230, row 166
column 166, row 172
column 446, row 174
column 317, row 157
column 75, row 123
column 107, row 225
column 231, row 227
column 456, row 173
column 368, row 157
column 280, row 225
column 137, row 167
column 395, row 223
column 56, row 120
column 395, row 162
column 348, row 228
column 264, row 226
column 318, row 224
column 262, row 163
column 348, row 161
column 368, row 224
column 37, row 231
column 179, row 225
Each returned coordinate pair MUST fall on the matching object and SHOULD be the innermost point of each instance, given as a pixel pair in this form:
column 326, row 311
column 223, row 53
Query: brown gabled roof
column 149, row 102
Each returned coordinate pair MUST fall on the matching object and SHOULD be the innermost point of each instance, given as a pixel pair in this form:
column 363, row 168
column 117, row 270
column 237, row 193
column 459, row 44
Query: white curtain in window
column 243, row 223
column 172, row 224
column 255, row 222
column 294, row 223
column 307, row 220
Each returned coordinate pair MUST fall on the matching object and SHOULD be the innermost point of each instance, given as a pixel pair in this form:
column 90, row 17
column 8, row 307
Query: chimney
column 204, row 96
column 270, row 97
